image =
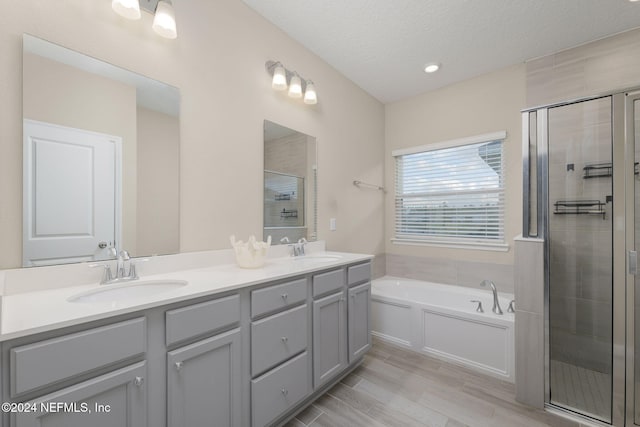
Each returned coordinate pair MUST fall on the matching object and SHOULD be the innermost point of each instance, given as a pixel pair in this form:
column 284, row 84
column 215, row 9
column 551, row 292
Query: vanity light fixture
column 279, row 81
column 295, row 88
column 310, row 96
column 282, row 79
column 164, row 20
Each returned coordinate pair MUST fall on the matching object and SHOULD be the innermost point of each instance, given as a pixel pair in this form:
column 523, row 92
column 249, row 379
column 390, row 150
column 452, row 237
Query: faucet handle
column 479, row 308
column 133, row 273
column 511, row 308
column 107, row 276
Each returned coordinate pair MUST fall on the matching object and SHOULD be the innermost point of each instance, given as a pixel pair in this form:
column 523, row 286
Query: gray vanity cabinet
column 116, row 399
column 359, row 319
column 329, row 337
column 204, row 383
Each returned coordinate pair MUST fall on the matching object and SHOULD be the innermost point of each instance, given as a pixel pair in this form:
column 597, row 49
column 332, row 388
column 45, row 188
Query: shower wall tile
column 594, row 318
column 596, row 67
column 450, row 272
column 422, row 268
column 379, row 267
column 529, row 343
column 472, row 273
column 584, row 351
column 562, row 314
column 529, row 275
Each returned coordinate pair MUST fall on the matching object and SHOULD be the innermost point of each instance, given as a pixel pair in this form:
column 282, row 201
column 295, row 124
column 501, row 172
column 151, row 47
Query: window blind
column 451, row 195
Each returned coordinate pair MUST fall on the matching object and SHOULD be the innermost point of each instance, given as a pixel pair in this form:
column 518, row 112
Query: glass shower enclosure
column 582, row 197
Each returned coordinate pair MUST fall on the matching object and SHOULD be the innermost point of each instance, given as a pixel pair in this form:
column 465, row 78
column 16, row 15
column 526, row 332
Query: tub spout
column 496, row 304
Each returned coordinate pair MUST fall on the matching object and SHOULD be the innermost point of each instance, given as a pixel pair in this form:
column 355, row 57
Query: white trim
column 487, row 137
column 484, row 246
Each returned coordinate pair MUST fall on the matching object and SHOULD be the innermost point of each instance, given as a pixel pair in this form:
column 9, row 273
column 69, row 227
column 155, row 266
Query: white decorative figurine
column 251, row 254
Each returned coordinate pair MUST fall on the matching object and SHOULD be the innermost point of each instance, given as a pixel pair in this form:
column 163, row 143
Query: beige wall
column 158, row 226
column 218, row 64
column 484, row 104
column 60, row 94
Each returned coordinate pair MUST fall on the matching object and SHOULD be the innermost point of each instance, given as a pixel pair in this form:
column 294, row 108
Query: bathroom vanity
column 251, row 352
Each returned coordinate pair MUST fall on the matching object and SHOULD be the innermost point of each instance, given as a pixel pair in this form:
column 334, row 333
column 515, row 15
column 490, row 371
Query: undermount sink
column 127, row 291
column 318, row 258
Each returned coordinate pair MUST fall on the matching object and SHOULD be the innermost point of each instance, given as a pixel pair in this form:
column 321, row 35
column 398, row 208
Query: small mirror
column 290, row 176
column 100, row 159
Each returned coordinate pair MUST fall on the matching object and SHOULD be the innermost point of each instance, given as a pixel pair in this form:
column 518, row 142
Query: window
column 452, row 195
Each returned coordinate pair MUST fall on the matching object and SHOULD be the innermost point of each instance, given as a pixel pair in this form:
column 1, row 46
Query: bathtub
column 440, row 321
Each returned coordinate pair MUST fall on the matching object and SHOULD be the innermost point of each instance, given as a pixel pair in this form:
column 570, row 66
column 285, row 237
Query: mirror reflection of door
column 71, row 194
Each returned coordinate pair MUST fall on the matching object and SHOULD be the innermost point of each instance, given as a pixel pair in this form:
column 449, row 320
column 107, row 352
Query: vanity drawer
column 198, row 319
column 359, row 273
column 278, row 390
column 324, row 283
column 277, row 338
column 277, row 297
column 46, row 362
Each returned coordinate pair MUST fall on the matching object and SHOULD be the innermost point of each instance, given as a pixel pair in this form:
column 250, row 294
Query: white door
column 71, row 204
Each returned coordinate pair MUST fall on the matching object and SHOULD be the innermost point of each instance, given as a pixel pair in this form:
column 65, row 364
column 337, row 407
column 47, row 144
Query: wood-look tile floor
column 398, row 388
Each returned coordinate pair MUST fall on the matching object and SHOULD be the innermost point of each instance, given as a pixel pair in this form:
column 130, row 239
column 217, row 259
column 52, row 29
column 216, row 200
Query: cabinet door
column 203, row 382
column 116, row 399
column 359, row 321
column 329, row 337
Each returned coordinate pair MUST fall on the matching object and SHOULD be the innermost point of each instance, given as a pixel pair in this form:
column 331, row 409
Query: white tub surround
column 441, row 321
column 43, row 303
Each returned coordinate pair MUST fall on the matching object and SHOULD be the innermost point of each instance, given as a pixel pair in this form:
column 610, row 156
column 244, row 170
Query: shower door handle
column 632, row 262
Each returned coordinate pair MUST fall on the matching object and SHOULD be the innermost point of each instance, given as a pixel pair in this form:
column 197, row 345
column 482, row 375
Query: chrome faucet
column 298, row 249
column 496, row 304
column 124, row 272
column 123, row 259
column 295, row 249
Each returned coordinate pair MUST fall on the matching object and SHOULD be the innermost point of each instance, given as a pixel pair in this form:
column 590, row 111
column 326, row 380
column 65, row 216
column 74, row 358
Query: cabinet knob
column 285, row 296
column 138, row 381
column 284, row 339
column 285, row 391
column 178, row 366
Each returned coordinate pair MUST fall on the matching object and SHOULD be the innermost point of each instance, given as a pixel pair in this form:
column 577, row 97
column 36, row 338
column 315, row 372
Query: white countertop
column 39, row 311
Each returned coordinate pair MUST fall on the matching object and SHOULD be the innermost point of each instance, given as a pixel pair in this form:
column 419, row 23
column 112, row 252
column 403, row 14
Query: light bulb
column 129, row 9
column 279, row 81
column 295, row 88
column 310, row 96
column 164, row 22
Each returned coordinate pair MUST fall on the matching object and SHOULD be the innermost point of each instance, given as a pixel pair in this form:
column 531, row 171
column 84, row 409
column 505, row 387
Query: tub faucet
column 496, row 304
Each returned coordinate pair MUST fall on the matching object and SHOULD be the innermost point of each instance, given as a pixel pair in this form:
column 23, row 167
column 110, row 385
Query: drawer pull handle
column 178, row 366
column 138, row 381
column 285, row 391
column 285, row 296
column 284, row 339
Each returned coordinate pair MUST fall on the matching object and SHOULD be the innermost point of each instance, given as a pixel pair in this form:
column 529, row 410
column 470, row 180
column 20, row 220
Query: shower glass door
column 633, row 286
column 580, row 257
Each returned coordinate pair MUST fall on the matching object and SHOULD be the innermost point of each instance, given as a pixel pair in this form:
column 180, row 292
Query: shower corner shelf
column 579, row 207
column 601, row 170
column 597, row 170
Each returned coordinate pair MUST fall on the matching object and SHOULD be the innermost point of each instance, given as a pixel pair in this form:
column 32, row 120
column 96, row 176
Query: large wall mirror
column 101, row 159
column 290, row 184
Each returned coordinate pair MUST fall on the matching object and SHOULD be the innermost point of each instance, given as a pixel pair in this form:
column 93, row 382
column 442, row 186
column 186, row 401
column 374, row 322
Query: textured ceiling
column 383, row 45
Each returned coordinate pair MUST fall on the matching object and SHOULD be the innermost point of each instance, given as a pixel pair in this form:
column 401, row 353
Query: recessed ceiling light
column 432, row 68
column 634, row 0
